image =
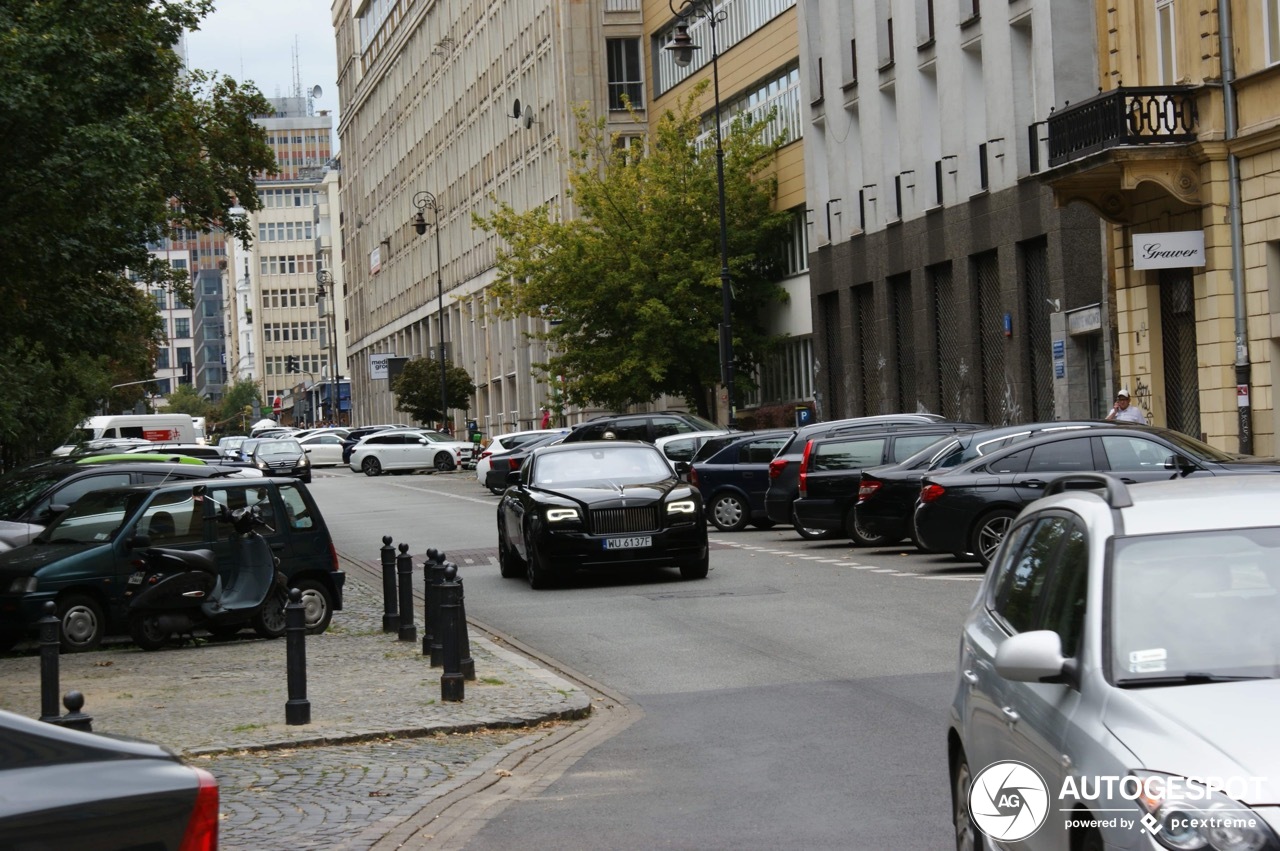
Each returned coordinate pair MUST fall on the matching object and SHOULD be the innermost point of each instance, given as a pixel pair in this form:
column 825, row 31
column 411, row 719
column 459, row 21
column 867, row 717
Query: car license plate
column 136, row 577
column 633, row 543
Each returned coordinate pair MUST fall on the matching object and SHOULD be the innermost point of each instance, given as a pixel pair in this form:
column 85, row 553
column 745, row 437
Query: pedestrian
column 1123, row 412
column 546, row 418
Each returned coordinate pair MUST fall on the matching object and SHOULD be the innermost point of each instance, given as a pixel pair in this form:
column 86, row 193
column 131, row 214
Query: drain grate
column 686, row 595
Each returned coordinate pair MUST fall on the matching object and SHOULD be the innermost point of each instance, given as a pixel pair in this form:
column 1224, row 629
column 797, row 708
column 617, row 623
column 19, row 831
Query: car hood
column 25, row 561
column 617, row 494
column 14, row 534
column 1251, row 465
column 1213, row 730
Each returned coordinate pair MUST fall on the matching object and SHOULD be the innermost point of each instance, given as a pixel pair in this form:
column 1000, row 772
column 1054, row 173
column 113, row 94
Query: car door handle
column 1010, row 715
column 1130, row 481
column 278, row 547
column 1033, row 483
column 970, row 677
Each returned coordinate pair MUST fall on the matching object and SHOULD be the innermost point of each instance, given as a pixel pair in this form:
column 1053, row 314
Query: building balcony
column 1154, row 115
column 1103, row 149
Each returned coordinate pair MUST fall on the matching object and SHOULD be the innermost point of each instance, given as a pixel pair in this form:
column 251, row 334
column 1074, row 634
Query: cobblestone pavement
column 381, row 743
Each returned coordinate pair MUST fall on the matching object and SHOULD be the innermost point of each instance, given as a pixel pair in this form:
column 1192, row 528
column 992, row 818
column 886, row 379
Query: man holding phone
column 1123, row 412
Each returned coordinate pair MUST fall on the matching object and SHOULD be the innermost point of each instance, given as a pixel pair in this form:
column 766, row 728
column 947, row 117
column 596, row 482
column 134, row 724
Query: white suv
column 507, row 442
column 1118, row 671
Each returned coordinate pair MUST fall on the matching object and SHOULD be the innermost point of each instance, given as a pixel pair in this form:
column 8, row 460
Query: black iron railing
column 1149, row 115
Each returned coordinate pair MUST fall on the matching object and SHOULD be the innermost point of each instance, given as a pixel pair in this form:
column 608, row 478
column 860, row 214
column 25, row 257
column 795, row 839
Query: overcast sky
column 254, row 40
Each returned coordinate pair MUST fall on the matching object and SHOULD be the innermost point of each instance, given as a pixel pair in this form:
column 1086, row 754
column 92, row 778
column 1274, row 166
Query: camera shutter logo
column 1009, row 801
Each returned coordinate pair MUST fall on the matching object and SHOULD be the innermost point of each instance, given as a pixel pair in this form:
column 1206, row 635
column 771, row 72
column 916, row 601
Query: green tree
column 109, row 145
column 237, row 405
column 186, row 400
column 633, row 279
column 418, row 389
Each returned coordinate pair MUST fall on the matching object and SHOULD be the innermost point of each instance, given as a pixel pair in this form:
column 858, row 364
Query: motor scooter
column 180, row 590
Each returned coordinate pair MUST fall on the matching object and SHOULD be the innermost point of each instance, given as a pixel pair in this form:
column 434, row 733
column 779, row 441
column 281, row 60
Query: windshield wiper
column 1193, row 678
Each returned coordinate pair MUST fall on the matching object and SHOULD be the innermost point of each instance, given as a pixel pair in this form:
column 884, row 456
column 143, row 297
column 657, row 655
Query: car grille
column 609, row 521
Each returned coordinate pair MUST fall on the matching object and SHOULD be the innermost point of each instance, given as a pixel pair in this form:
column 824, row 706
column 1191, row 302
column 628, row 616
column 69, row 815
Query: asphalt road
column 796, row 698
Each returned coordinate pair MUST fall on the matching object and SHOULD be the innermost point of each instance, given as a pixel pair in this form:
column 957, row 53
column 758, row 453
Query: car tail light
column 485, row 454
column 333, row 557
column 202, row 827
column 776, row 467
column 513, row 463
column 867, row 488
column 693, row 477
column 930, row 492
column 804, row 469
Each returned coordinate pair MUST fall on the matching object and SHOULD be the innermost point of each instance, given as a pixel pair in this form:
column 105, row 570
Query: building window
column 797, row 245
column 625, row 87
column 181, row 328
column 184, row 355
column 1271, row 23
column 162, row 359
column 161, row 299
column 1166, row 42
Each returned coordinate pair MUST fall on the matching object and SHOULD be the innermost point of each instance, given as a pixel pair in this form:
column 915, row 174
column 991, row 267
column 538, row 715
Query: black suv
column 784, row 469
column 83, row 560
column 646, row 427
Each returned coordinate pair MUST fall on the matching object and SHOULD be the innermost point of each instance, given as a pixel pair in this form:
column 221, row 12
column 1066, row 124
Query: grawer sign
column 1172, row 250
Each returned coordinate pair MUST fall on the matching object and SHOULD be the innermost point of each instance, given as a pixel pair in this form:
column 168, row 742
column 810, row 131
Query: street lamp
column 425, row 200
column 324, row 278
column 682, row 48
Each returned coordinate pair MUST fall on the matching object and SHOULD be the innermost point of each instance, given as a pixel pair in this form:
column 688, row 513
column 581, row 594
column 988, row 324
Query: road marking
column 949, row 578
column 442, row 493
column 884, row 570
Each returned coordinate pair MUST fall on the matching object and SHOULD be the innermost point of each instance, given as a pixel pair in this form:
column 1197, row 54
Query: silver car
column 1118, row 672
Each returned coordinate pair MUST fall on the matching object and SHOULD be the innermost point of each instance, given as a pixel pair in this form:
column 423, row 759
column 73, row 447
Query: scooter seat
column 201, row 560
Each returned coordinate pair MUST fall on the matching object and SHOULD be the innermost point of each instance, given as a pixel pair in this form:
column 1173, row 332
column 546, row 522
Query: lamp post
column 682, row 48
column 324, row 278
column 426, row 200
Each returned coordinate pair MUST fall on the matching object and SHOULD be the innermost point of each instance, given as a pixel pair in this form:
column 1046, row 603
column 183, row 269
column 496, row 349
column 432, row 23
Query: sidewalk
column 230, row 696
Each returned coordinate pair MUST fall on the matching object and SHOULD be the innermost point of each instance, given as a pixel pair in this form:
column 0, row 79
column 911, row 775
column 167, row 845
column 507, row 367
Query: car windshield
column 20, row 488
column 1194, row 606
column 617, row 464
column 96, row 517
column 230, row 442
column 283, row 446
column 712, row 445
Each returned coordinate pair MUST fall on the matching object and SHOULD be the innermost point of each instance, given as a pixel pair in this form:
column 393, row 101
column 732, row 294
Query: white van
column 158, row 428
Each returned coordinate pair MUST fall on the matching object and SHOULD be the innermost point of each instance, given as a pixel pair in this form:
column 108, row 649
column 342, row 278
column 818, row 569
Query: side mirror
column 137, row 542
column 683, row 468
column 423, row 441
column 307, row 450
column 1033, row 657
column 1179, row 463
column 513, row 477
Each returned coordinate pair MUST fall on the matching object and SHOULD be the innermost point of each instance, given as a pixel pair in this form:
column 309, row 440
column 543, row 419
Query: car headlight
column 305, row 462
column 1193, row 815
column 560, row 515
column 683, row 506
column 23, row 585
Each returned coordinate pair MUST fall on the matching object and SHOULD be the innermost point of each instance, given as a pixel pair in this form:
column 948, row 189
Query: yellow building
column 1181, row 149
column 759, row 70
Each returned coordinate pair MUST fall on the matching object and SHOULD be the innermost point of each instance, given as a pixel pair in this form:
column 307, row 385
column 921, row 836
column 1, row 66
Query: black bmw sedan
column 968, row 510
column 599, row 504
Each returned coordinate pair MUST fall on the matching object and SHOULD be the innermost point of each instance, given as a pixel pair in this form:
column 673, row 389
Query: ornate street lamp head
column 682, row 46
column 420, row 223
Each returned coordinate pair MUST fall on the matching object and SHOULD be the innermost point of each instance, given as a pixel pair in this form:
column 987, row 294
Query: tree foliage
column 632, row 281
column 109, row 145
column 185, row 399
column 418, row 389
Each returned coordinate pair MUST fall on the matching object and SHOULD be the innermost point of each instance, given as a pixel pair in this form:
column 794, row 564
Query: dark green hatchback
column 83, row 561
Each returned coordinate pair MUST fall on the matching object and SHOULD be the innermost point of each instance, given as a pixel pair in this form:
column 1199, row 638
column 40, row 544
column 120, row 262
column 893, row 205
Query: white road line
column 884, row 570
column 949, row 578
column 489, row 502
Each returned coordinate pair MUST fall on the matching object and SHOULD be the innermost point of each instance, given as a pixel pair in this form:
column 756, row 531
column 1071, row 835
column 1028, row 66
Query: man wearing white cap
column 1123, row 412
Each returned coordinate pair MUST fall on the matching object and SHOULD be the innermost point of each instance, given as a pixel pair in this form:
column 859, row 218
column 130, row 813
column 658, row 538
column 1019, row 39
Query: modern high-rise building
column 944, row 276
column 281, row 311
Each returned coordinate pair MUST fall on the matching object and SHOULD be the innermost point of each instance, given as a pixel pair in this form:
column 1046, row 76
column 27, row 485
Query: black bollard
column 390, row 615
column 467, row 664
column 427, row 623
column 452, row 683
column 49, row 628
column 404, row 568
column 75, row 719
column 436, row 571
column 298, row 709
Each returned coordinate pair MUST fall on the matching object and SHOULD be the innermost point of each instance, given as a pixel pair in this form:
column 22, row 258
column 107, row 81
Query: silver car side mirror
column 1031, row 657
